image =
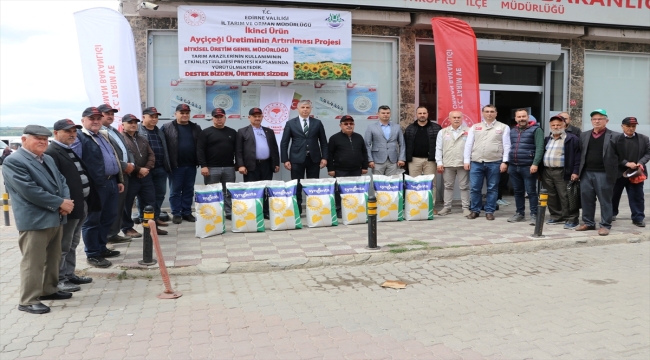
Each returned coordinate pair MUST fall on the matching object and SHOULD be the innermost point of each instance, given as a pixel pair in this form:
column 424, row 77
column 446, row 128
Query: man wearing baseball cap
column 82, row 190
column 256, row 152
column 181, row 135
column 94, row 147
column 161, row 170
column 634, row 150
column 126, row 163
column 41, row 200
column 215, row 151
column 598, row 172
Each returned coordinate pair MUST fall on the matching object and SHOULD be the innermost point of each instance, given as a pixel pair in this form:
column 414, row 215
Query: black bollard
column 372, row 218
column 541, row 213
column 5, row 208
column 147, row 242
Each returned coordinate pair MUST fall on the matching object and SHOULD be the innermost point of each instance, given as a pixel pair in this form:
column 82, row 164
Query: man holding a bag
column 561, row 164
column 634, row 150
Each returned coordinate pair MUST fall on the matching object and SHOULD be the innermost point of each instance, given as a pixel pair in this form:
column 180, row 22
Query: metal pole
column 147, row 244
column 5, row 208
column 169, row 292
column 372, row 218
column 541, row 213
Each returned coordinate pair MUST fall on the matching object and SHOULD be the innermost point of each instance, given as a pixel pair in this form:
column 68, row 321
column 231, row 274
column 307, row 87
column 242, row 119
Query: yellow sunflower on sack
column 278, row 205
column 207, row 212
column 350, row 201
column 239, row 207
column 314, row 203
column 414, row 198
column 383, row 198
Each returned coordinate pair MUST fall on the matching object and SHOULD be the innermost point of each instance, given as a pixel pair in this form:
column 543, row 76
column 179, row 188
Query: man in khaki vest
column 485, row 157
column 450, row 146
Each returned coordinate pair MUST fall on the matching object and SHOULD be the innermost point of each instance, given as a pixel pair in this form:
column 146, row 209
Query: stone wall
column 407, row 39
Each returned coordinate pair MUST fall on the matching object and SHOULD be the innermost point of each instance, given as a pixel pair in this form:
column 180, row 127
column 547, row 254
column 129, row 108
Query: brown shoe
column 603, row 231
column 160, row 223
column 585, row 227
column 472, row 215
column 161, row 232
column 489, row 216
column 132, row 233
column 435, row 212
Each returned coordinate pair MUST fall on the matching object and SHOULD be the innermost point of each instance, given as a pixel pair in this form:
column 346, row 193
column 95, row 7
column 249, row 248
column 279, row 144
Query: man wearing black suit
column 256, row 152
column 634, row 151
column 82, row 192
column 308, row 152
column 598, row 172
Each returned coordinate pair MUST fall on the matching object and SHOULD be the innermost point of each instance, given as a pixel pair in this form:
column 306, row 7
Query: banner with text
column 108, row 61
column 457, row 70
column 275, row 104
column 236, row 42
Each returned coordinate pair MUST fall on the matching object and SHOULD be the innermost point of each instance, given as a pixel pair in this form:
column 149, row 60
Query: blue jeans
column 97, row 224
column 524, row 182
column 181, row 194
column 477, row 173
column 634, row 198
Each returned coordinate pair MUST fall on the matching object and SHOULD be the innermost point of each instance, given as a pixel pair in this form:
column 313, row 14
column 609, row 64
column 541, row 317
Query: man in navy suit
column 308, row 153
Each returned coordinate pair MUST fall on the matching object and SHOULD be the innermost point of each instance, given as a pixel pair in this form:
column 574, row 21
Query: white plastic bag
column 388, row 192
column 283, row 207
column 321, row 208
column 354, row 199
column 247, row 206
column 208, row 202
column 419, row 200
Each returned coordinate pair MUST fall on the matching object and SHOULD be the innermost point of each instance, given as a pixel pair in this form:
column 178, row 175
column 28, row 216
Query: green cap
column 599, row 111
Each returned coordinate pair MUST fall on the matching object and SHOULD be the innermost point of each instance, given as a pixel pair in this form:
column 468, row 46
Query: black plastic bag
column 573, row 192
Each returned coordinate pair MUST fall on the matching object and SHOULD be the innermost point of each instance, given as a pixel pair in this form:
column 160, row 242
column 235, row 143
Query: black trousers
column 337, row 193
column 263, row 171
column 298, row 170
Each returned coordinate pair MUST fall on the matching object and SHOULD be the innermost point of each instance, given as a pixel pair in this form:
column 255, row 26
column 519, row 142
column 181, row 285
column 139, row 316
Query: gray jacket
column 35, row 194
column 380, row 149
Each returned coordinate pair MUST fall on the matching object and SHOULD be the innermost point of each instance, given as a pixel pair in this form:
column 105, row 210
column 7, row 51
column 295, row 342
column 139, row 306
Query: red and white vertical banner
column 275, row 104
column 108, row 61
column 456, row 70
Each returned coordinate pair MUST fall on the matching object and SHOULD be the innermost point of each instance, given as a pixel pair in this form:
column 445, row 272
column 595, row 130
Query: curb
column 213, row 267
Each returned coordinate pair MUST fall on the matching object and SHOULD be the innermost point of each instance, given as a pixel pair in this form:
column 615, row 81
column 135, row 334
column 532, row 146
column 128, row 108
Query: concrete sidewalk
column 450, row 235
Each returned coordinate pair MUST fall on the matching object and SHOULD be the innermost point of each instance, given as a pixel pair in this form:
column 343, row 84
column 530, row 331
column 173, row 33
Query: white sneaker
column 502, row 202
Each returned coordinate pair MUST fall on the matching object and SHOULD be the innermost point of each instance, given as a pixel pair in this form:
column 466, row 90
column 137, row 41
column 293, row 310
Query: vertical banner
column 456, row 70
column 108, row 61
column 275, row 104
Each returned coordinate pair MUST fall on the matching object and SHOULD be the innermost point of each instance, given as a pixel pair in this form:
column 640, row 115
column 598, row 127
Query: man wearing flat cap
column 41, row 202
column 126, row 163
column 140, row 182
column 93, row 146
column 82, row 192
column 634, row 151
column 215, row 151
column 161, row 169
column 181, row 135
column 598, row 172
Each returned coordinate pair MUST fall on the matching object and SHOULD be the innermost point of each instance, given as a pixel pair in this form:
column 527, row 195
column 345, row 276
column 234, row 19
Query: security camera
column 147, row 5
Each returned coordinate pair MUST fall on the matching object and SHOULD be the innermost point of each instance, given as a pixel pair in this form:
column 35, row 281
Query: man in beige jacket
column 450, row 146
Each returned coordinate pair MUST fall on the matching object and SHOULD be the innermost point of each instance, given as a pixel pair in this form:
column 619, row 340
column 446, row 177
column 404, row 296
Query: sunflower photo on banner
column 283, row 207
column 247, row 206
column 419, row 197
column 208, row 202
column 354, row 199
column 321, row 206
column 388, row 191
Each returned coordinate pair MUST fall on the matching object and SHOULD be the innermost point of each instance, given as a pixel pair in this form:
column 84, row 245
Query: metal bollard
column 541, row 213
column 147, row 244
column 372, row 218
column 5, row 208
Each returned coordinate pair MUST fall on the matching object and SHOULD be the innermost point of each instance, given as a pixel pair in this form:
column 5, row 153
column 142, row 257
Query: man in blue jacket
column 41, row 202
column 561, row 165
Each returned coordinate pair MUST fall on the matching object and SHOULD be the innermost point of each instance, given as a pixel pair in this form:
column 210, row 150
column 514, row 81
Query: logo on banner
column 334, row 21
column 276, row 113
column 194, row 17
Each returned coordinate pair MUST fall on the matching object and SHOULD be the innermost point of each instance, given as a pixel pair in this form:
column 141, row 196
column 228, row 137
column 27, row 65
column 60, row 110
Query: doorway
column 509, row 101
